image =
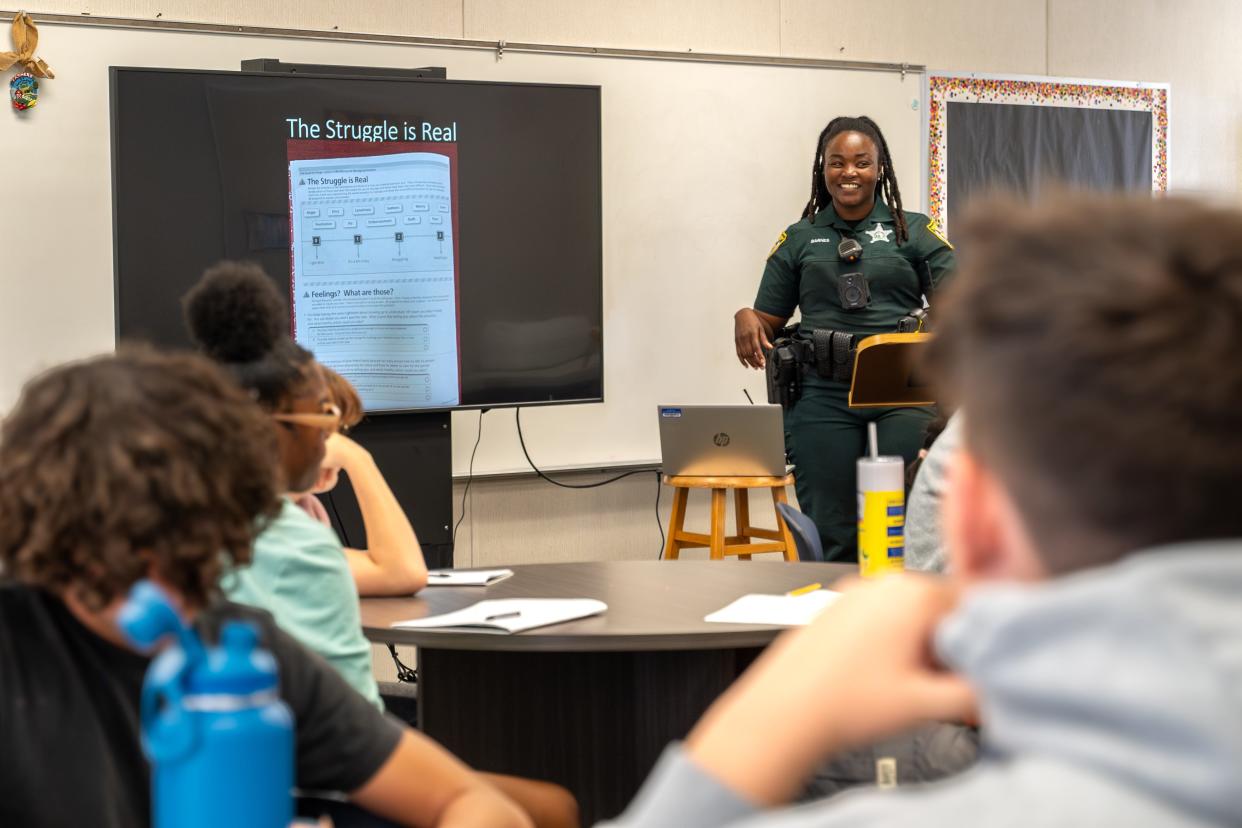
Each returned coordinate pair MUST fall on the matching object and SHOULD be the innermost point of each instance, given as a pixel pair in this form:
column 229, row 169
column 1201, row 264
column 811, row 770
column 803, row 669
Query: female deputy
column 854, row 195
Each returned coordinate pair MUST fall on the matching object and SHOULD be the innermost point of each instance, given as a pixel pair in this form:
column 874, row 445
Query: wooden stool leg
column 676, row 523
column 791, row 549
column 718, row 525
column 741, row 513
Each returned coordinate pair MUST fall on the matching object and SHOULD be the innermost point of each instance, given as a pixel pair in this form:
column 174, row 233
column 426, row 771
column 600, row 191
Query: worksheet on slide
column 374, row 277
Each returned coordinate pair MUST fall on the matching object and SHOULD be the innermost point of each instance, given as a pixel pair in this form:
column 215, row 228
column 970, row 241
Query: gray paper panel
column 1025, row 149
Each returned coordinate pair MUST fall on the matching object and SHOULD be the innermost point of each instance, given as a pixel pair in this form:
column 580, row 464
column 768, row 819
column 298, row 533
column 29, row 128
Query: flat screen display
column 439, row 240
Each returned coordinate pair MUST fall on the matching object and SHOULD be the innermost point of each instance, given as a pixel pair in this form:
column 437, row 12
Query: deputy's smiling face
column 851, row 167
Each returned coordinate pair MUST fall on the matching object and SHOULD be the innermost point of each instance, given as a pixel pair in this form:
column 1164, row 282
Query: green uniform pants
column 825, row 438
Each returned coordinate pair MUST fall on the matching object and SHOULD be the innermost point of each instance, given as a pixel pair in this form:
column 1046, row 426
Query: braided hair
column 887, row 186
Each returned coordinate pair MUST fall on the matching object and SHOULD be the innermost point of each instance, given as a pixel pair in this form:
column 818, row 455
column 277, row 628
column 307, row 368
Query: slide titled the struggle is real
column 374, row 272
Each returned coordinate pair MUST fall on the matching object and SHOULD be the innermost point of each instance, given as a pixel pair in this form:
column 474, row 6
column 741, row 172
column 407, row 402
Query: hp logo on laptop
column 721, row 439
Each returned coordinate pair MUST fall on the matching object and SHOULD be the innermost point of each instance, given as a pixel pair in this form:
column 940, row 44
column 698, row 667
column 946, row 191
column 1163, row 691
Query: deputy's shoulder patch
column 778, row 244
column 934, row 229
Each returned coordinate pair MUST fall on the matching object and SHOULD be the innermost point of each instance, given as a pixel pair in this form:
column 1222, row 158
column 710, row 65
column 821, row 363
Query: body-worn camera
column 853, row 291
column 852, row 288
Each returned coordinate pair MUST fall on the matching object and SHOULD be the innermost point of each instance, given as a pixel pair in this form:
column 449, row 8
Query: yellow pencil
column 803, row 590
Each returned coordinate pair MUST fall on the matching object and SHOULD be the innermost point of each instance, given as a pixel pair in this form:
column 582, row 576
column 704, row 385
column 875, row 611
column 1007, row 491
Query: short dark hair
column 118, row 464
column 237, row 317
column 1093, row 343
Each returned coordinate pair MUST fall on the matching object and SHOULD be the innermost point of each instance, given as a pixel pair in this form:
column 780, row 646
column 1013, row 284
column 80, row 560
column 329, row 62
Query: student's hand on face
column 879, row 634
column 327, row 480
column 750, row 338
column 859, row 673
column 340, row 452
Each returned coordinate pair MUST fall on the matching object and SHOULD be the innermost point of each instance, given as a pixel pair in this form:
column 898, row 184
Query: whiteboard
column 703, row 166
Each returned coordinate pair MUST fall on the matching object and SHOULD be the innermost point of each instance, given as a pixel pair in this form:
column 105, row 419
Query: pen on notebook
column 803, row 590
column 513, row 614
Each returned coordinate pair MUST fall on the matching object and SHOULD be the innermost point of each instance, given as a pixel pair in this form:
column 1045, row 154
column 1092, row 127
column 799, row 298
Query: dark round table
column 589, row 704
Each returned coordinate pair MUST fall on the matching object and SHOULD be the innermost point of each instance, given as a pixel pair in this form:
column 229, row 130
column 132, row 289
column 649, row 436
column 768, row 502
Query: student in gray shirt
column 924, row 540
column 1091, row 620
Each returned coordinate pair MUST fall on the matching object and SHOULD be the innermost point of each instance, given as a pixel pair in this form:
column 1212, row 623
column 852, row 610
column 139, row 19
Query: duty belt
column 830, row 354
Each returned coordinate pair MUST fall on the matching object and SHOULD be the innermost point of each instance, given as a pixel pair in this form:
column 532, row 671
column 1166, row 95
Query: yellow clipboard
column 886, row 372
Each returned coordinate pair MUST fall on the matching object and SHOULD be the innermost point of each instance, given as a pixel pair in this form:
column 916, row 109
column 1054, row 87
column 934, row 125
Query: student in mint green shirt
column 300, row 573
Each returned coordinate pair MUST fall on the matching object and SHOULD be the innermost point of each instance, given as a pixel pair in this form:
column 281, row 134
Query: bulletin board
column 1021, row 134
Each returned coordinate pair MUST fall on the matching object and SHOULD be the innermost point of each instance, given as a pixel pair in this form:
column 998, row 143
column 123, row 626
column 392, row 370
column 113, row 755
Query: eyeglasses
column 329, row 420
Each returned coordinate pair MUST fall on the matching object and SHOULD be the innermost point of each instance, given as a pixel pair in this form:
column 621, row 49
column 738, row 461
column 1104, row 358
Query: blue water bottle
column 218, row 736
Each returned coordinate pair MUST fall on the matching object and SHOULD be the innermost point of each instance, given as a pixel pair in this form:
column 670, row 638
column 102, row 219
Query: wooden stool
column 779, row 539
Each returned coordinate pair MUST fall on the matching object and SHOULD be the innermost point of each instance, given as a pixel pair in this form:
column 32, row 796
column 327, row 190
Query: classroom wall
column 1192, row 45
column 1188, row 44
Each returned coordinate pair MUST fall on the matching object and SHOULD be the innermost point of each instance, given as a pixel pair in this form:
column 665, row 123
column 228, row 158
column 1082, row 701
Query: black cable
column 469, row 474
column 659, row 523
column 404, row 674
column 522, row 441
column 344, row 533
column 538, row 471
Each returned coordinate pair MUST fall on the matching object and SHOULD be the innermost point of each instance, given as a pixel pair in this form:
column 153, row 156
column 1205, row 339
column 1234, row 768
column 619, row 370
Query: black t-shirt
column 69, row 727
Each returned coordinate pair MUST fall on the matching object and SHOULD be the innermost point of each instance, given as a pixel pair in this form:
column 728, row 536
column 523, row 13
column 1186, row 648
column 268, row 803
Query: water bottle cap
column 147, row 616
column 237, row 665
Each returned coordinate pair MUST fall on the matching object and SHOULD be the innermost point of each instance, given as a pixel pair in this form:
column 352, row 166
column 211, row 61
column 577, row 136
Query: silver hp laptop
column 722, row 440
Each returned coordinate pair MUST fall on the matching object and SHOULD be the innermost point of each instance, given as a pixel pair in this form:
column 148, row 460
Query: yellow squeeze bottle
column 881, row 511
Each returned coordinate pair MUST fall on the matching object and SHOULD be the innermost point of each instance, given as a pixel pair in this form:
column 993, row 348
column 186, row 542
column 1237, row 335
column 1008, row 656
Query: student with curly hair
column 144, row 465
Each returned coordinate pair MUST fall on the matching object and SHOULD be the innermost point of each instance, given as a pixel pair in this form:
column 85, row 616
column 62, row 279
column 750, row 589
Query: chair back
column 805, row 534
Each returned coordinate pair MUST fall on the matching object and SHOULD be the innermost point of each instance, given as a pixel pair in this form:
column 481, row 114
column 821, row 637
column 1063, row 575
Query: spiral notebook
column 510, row 615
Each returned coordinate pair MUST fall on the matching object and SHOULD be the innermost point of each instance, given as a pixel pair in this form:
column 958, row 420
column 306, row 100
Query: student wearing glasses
column 300, row 572
column 350, row 405
column 392, row 563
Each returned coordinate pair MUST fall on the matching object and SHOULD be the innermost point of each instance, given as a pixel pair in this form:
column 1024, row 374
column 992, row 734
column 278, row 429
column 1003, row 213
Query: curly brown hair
column 122, row 464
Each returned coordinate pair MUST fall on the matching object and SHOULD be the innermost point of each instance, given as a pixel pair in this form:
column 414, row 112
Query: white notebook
column 466, row 577
column 510, row 615
column 779, row 610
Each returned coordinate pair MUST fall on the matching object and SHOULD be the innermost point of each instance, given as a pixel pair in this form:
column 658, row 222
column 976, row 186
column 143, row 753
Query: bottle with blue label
column 217, row 734
column 881, row 512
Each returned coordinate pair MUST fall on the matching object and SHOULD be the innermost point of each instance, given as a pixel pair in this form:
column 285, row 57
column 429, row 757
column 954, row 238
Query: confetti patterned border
column 941, row 89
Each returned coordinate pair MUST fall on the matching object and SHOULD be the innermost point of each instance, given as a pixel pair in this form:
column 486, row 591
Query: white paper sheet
column 778, row 610
column 466, row 577
column 374, row 294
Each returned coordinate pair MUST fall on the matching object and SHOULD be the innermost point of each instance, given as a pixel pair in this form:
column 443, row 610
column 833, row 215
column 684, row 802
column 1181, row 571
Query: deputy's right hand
column 751, row 337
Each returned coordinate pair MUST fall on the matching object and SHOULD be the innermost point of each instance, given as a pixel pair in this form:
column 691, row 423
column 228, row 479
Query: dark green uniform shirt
column 803, row 270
